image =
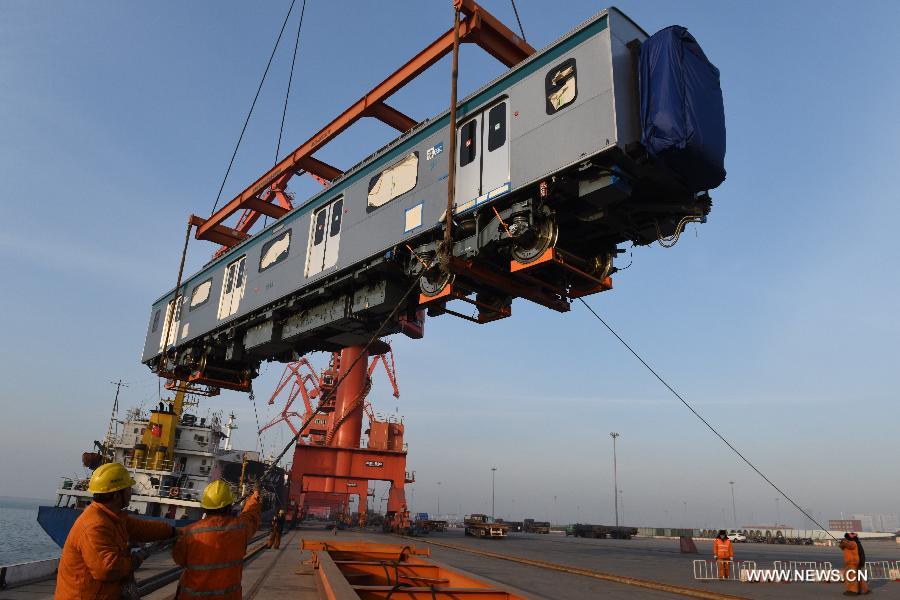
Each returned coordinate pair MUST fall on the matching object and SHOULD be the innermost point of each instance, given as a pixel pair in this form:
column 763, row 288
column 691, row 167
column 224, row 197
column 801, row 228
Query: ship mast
column 228, row 427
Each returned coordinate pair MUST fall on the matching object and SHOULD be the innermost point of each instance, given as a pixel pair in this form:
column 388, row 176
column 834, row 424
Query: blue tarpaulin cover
column 682, row 113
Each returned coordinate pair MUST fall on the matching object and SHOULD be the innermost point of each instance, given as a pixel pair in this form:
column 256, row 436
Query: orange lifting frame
column 479, row 26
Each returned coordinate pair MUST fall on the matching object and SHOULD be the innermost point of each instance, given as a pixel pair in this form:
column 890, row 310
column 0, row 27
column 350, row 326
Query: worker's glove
column 137, row 559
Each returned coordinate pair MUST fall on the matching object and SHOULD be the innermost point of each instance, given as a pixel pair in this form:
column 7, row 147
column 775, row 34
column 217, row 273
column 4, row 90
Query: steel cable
column 705, row 422
column 518, row 20
column 287, row 94
column 252, row 106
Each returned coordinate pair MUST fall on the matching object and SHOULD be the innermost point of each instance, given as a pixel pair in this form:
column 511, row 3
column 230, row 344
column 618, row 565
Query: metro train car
column 604, row 137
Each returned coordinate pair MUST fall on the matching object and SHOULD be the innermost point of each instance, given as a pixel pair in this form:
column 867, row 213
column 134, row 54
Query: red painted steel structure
column 478, row 26
column 329, row 465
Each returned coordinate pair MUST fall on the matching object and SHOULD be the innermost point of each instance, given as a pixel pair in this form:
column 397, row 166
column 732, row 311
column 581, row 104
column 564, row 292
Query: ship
column 172, row 454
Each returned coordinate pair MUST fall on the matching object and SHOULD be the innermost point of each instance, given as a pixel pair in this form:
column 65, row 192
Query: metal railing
column 149, row 463
column 729, row 570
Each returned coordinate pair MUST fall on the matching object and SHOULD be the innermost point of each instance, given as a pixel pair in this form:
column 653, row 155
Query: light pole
column 622, row 498
column 439, row 498
column 614, row 435
column 733, row 509
column 493, row 472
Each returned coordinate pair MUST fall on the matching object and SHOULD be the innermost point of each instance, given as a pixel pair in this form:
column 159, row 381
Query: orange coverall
column 851, row 563
column 212, row 553
column 96, row 559
column 723, row 552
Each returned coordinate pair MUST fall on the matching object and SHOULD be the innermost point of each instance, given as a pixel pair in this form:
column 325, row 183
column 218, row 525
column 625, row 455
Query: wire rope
column 704, row 421
column 287, row 94
column 518, row 20
column 252, row 106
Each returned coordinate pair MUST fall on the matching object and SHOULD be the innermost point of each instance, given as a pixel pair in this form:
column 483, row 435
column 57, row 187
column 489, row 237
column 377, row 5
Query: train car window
column 337, row 211
column 155, row 322
column 467, row 143
column 560, row 85
column 229, row 280
column 239, row 277
column 497, row 127
column 320, row 227
column 275, row 250
column 201, row 294
column 394, row 181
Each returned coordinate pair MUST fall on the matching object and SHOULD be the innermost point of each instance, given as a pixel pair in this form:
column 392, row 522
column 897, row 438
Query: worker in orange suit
column 212, row 549
column 854, row 562
column 723, row 553
column 96, row 560
column 277, row 529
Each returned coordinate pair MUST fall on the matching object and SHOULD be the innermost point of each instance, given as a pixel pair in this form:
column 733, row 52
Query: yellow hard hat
column 217, row 495
column 108, row 478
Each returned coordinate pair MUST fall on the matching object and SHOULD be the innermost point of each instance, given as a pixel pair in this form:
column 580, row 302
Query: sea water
column 21, row 538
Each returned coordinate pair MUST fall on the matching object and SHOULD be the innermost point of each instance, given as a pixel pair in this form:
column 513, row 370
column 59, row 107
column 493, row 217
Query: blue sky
column 777, row 318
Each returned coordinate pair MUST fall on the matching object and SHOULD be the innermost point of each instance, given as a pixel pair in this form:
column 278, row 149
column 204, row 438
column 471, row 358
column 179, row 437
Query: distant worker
column 854, row 563
column 212, row 549
column 723, row 553
column 96, row 560
column 277, row 530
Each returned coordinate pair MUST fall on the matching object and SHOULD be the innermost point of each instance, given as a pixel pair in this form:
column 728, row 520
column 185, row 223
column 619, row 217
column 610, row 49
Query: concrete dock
column 282, row 573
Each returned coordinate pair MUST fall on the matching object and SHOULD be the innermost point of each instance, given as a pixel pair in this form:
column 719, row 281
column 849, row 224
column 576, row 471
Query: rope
column 519, row 21
column 171, row 317
column 705, row 422
column 290, row 79
column 362, row 396
column 252, row 106
column 256, row 415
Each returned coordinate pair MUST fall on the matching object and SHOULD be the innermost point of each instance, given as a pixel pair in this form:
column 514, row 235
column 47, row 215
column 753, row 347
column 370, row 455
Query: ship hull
column 57, row 521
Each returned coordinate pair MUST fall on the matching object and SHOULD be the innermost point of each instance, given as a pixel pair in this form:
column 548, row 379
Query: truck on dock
column 424, row 524
column 601, row 531
column 532, row 526
column 478, row 525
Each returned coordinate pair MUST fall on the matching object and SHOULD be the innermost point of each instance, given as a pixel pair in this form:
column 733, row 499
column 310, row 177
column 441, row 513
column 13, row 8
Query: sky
column 777, row 319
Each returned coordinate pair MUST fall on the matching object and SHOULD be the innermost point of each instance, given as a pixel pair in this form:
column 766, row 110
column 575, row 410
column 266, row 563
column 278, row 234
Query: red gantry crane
column 329, row 465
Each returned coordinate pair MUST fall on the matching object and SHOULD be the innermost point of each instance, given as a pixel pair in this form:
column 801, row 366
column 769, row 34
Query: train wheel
column 602, row 266
column 434, row 280
column 532, row 244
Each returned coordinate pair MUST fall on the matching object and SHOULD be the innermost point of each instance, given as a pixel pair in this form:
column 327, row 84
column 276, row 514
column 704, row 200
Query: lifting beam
column 479, row 27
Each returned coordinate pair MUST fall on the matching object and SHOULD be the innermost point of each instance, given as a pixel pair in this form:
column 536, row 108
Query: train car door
column 468, row 163
column 483, row 160
column 233, row 287
column 324, row 237
column 495, row 152
column 173, row 316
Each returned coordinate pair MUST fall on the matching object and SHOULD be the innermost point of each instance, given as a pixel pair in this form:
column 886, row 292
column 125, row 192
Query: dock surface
column 281, row 574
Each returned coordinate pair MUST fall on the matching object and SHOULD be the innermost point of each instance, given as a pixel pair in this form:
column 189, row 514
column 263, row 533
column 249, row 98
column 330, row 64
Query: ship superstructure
column 171, row 454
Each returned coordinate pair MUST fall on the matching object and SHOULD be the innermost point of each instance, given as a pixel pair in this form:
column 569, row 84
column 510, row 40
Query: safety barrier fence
column 735, row 570
column 883, row 570
column 789, row 571
column 801, row 565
